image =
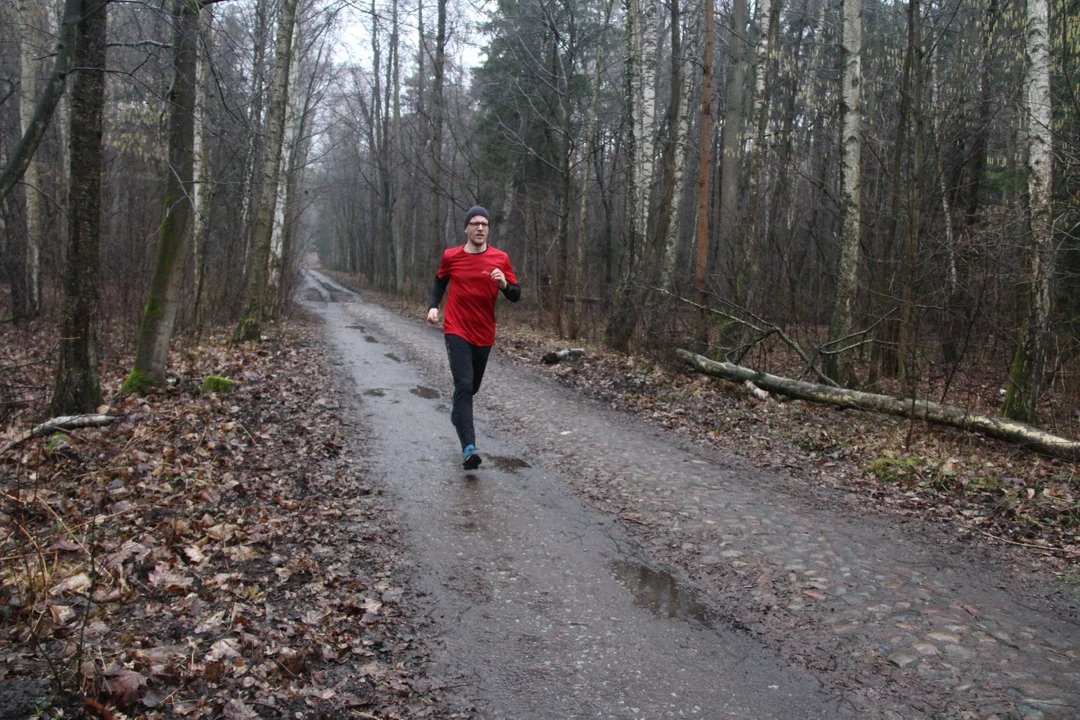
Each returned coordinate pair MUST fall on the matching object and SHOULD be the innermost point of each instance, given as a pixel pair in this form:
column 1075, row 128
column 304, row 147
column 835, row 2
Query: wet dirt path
column 542, row 566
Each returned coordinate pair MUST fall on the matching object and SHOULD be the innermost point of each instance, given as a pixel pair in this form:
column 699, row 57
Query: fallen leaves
column 209, row 558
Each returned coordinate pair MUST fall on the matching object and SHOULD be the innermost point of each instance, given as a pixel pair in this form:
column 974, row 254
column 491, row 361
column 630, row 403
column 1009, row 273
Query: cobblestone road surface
column 901, row 620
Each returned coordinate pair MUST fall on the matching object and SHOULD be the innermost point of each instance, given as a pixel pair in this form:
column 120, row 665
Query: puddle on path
column 424, row 392
column 507, row 464
column 361, row 328
column 375, row 393
column 393, row 357
column 371, row 339
column 660, row 593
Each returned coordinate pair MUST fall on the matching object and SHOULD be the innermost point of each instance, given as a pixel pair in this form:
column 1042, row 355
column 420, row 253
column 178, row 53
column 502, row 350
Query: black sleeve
column 512, row 292
column 437, row 290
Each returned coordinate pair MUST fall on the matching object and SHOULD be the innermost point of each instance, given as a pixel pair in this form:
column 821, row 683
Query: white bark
column 255, row 295
column 30, row 18
column 397, row 157
column 203, row 191
column 288, row 152
column 850, row 185
column 1026, row 375
column 643, row 40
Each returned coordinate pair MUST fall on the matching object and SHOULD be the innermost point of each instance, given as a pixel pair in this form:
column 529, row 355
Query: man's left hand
column 498, row 276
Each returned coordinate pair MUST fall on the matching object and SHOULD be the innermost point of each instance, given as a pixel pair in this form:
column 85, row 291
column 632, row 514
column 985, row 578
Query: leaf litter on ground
column 208, row 554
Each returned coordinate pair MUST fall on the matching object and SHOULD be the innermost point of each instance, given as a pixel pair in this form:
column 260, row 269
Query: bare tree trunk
column 31, row 19
column 957, row 301
column 24, row 150
column 671, row 150
column 756, row 229
column 152, row 352
column 641, row 39
column 437, row 241
column 840, row 366
column 884, row 354
column 579, row 267
column 704, row 172
column 732, row 133
column 250, row 326
column 78, row 382
column 427, row 250
column 203, row 175
column 290, row 143
column 396, row 157
column 255, row 125
column 1026, row 373
column 671, row 242
column 915, row 195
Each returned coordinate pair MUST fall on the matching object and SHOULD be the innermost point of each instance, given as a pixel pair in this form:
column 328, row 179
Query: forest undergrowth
column 208, row 554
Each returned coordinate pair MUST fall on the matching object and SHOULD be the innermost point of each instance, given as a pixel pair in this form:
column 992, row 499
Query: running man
column 476, row 272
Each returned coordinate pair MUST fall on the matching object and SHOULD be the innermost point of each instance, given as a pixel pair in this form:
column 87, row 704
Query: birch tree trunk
column 250, row 326
column 203, row 175
column 152, row 351
column 290, row 141
column 671, row 151
column 31, row 18
column 78, row 382
column 756, row 229
column 426, row 251
column 255, row 125
column 840, row 366
column 583, row 213
column 437, row 241
column 397, row 156
column 1026, row 373
column 704, row 171
column 641, row 40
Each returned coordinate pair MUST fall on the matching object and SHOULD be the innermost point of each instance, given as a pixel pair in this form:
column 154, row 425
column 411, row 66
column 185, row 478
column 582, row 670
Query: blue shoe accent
column 471, row 458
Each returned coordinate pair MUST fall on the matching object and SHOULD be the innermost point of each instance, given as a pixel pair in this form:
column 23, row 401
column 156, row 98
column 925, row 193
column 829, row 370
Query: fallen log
column 1001, row 428
column 559, row 355
column 756, row 391
column 64, row 422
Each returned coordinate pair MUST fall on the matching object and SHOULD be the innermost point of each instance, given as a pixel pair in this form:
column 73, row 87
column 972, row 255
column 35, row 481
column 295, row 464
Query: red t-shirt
column 470, row 308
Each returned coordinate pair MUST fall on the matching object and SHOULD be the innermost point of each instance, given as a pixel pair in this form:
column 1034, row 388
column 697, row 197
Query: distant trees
column 887, row 185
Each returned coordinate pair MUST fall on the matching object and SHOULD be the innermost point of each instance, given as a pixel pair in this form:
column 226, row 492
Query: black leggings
column 467, row 365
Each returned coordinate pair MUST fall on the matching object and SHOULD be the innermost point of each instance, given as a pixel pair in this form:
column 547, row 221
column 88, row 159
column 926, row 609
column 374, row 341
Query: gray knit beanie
column 476, row 210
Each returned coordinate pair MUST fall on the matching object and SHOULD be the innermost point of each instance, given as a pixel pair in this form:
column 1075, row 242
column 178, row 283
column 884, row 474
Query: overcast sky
column 465, row 45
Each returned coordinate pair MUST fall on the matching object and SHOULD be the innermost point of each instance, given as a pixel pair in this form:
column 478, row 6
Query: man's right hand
column 433, row 316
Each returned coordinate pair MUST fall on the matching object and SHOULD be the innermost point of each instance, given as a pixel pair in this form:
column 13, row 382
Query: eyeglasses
column 478, row 224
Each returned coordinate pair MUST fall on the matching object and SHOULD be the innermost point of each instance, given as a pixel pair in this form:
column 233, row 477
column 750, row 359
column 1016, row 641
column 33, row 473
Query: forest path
column 545, row 569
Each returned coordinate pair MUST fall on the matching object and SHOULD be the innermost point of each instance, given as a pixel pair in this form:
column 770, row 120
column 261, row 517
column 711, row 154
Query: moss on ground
column 214, row 383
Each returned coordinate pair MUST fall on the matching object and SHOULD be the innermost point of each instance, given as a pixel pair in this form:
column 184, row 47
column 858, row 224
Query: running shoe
column 471, row 458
